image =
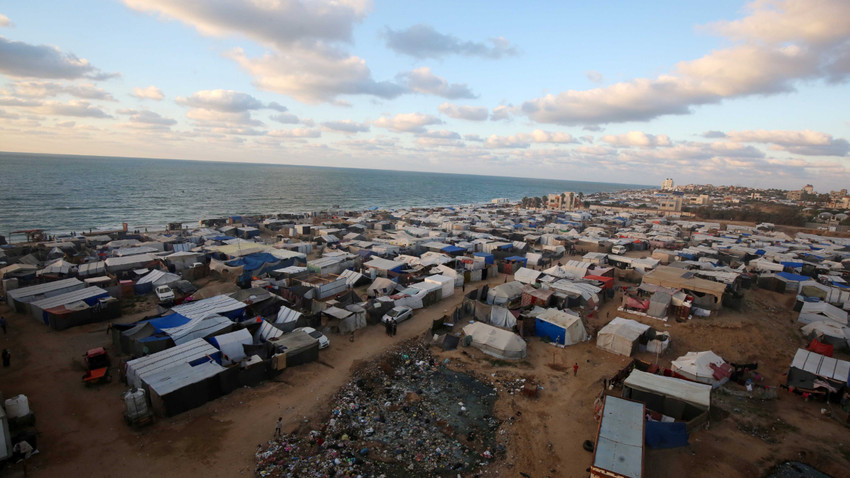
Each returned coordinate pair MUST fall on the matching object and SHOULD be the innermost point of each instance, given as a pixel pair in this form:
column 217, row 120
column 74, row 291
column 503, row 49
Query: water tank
column 17, row 407
column 135, row 405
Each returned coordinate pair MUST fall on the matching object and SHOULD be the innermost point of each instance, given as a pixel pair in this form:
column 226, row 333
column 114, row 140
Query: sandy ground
column 82, row 432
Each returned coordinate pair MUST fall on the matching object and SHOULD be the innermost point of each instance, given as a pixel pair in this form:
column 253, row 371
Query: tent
column 620, row 439
column 230, row 345
column 153, row 279
column 560, row 327
column 199, row 329
column 680, row 399
column 287, row 319
column 140, row 368
column 820, row 311
column 505, row 293
column 526, row 276
column 620, row 336
column 810, row 370
column 502, row 317
column 59, row 267
column 704, row 367
column 495, row 341
column 380, row 287
column 828, row 332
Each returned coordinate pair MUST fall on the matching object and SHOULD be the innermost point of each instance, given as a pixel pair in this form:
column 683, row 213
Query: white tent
column 231, row 345
column 157, row 278
column 504, row 293
column 267, row 331
column 381, row 286
column 60, row 266
column 696, row 366
column 620, row 335
column 502, row 317
column 526, row 276
column 574, row 331
column 819, row 311
column 447, row 284
column 495, row 341
column 287, row 319
column 828, row 332
column 696, row 394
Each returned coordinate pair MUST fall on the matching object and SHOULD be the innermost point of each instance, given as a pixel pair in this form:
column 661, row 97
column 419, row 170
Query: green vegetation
column 776, row 214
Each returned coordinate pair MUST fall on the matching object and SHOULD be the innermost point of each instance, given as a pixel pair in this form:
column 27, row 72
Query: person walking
column 575, row 369
column 387, row 328
column 7, row 357
column 278, row 428
column 394, row 327
column 3, row 324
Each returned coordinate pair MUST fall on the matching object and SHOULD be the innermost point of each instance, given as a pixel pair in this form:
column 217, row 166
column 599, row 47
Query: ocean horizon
column 65, row 193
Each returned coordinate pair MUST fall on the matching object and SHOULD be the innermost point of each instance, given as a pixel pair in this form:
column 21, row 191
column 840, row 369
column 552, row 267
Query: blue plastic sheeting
column 365, row 253
column 453, row 249
column 517, row 259
column 155, row 338
column 792, row 264
column 253, row 261
column 169, row 321
column 839, row 284
column 91, row 301
column 793, row 277
column 553, row 332
column 506, row 246
column 488, row 258
column 666, row 435
column 760, row 252
column 221, row 238
column 690, row 257
column 811, row 299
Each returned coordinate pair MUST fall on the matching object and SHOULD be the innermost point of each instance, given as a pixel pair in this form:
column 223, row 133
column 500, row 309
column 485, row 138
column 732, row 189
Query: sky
column 723, row 92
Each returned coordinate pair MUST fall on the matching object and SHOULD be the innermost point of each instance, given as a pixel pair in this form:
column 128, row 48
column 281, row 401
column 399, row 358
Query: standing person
column 278, row 429
column 7, row 357
column 3, row 324
column 387, row 327
column 394, row 327
column 575, row 369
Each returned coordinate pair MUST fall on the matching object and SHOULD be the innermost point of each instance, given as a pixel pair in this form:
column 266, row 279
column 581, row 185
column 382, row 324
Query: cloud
column 4, row 21
column 286, row 118
column 74, row 108
column 594, row 76
column 422, row 41
column 637, row 138
column 274, row 105
column 421, row 80
column 501, row 112
column 442, row 138
column 524, row 140
column 314, row 76
column 469, row 113
column 147, row 117
column 216, row 117
column 149, row 93
column 806, row 142
column 407, row 122
column 225, row 101
column 281, row 23
column 296, row 133
column 22, row 60
column 20, row 102
column 346, row 126
column 714, row 134
column 47, row 89
column 766, row 60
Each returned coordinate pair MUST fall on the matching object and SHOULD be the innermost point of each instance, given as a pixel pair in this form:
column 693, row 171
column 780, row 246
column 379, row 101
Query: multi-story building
column 667, row 184
column 565, row 201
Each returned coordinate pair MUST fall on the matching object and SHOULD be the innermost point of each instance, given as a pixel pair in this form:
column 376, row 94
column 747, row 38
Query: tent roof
column 619, row 447
column 630, row 329
column 676, row 278
column 821, row 365
column 696, row 394
column 44, row 288
column 495, row 341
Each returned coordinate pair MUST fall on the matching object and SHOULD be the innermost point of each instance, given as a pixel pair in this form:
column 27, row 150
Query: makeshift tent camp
column 680, row 399
column 820, row 311
column 380, row 287
column 230, row 345
column 183, row 386
column 139, row 369
column 620, row 336
column 60, row 267
column 526, row 276
column 828, row 332
column 18, row 298
column 560, row 327
column 505, row 293
column 810, row 371
column 220, row 304
column 495, row 341
column 199, row 329
column 287, row 319
column 447, row 284
column 153, row 279
column 708, row 294
column 502, row 317
column 704, row 367
column 619, row 440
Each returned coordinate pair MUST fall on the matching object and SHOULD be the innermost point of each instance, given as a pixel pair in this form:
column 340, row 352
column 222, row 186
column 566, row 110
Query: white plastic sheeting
column 502, row 317
column 619, row 336
column 231, row 345
column 495, row 341
column 696, row 366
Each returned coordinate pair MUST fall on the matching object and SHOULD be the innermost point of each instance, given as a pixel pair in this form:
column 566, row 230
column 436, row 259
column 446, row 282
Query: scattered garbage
column 404, row 414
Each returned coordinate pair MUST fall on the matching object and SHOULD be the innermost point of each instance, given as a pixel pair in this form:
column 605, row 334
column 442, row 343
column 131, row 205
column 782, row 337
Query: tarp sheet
column 666, row 434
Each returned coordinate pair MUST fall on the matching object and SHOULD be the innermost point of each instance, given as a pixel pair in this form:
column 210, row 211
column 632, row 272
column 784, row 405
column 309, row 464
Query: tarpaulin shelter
column 708, row 294
column 230, row 345
column 620, row 336
column 502, row 317
column 704, row 367
column 619, row 440
column 139, row 369
column 680, row 399
column 287, row 319
column 811, row 370
column 255, row 264
column 560, row 327
column 380, row 287
column 526, row 276
column 828, row 332
column 495, row 341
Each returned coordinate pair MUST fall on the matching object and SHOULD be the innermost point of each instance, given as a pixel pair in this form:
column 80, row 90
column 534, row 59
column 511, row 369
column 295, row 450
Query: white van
column 618, row 249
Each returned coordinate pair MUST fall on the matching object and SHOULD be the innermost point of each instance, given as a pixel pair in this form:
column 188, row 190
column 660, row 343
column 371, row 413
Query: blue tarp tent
column 453, row 250
column 793, row 277
column 255, row 264
column 488, row 258
column 666, row 434
column 168, row 321
column 792, row 264
column 519, row 259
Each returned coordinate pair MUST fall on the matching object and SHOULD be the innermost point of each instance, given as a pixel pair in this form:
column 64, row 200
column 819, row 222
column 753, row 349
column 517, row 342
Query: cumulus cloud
column 22, row 60
column 421, row 80
column 149, row 93
column 314, row 76
column 296, row 133
column 714, row 134
column 501, row 112
column 4, row 21
column 767, row 59
column 442, row 138
column 226, row 101
column 407, row 122
column 286, row 118
column 47, row 89
column 217, row 117
column 147, row 117
column 281, row 23
column 422, row 41
column 469, row 113
column 806, row 142
column 346, row 126
column 637, row 138
column 524, row 140
column 74, row 108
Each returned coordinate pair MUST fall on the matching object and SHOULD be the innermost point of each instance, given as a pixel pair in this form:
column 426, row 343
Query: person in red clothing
column 575, row 369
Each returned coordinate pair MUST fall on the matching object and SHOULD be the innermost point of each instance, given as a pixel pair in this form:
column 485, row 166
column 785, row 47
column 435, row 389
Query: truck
column 164, row 293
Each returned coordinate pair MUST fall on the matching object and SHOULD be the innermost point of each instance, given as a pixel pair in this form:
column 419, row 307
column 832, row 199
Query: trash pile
column 404, row 414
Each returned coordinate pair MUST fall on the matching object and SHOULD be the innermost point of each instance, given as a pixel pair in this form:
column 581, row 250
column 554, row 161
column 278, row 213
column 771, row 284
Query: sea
column 64, row 193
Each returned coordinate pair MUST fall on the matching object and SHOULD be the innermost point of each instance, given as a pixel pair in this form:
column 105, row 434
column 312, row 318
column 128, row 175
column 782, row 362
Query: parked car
column 400, row 314
column 164, row 293
column 618, row 249
column 323, row 340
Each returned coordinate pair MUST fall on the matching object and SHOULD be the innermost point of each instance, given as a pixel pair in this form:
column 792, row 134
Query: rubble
column 404, row 414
